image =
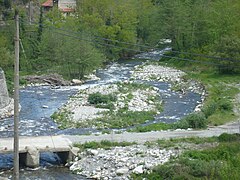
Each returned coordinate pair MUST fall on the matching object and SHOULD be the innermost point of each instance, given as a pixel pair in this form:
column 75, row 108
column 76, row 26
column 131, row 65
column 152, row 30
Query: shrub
column 225, row 105
column 209, row 109
column 228, row 137
column 194, row 120
column 98, row 98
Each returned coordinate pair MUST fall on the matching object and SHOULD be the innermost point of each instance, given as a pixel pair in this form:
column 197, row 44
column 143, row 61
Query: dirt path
column 230, row 128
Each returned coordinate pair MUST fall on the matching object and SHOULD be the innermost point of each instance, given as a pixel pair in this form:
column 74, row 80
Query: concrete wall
column 4, row 98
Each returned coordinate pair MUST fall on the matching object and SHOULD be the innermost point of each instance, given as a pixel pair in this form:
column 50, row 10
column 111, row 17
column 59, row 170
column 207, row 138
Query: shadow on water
column 50, row 168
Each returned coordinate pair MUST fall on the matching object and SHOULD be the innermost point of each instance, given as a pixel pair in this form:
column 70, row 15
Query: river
column 38, row 103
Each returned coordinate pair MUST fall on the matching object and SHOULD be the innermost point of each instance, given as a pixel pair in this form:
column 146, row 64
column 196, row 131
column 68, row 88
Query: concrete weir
column 31, row 147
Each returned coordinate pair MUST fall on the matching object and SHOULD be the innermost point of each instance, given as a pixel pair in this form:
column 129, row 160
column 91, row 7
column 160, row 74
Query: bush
column 195, row 120
column 98, row 98
column 225, row 105
column 228, row 137
column 209, row 109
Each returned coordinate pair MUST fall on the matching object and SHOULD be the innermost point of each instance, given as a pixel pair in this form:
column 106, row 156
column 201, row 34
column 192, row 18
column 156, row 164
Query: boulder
column 76, row 82
column 138, row 170
column 122, row 171
column 92, row 152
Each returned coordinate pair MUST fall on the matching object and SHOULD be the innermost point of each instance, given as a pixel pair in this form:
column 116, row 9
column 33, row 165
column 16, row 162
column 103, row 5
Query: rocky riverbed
column 131, row 95
column 120, row 162
column 151, row 71
column 96, row 102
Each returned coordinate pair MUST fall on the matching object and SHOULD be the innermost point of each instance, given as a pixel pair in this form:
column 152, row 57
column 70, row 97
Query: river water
column 38, row 103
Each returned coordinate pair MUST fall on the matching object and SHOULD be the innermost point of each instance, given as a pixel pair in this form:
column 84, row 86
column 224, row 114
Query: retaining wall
column 4, row 97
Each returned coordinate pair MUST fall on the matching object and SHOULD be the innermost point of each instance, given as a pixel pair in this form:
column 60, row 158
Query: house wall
column 64, row 4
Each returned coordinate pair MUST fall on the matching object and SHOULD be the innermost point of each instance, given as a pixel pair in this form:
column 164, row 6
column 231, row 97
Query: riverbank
column 125, row 104
column 143, row 157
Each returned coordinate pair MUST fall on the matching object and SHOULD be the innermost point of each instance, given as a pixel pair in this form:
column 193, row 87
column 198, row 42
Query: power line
column 206, row 56
column 145, row 46
column 167, row 56
column 139, row 51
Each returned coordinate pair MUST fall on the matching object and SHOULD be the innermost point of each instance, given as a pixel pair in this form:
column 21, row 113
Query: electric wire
column 144, row 46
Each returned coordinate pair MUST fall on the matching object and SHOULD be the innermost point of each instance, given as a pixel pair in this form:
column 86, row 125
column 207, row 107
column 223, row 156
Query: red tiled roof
column 48, row 3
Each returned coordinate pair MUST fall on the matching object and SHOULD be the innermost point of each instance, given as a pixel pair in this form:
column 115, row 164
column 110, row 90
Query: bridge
column 31, row 147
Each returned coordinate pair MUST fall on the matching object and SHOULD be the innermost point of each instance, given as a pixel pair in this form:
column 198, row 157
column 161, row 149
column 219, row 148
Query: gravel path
column 230, row 128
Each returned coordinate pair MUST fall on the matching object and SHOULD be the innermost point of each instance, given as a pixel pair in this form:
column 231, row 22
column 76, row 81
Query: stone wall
column 4, row 98
column 6, row 103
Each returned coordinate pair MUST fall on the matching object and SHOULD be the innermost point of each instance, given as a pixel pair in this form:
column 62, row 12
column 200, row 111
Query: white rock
column 76, row 81
column 122, row 171
column 138, row 170
column 93, row 152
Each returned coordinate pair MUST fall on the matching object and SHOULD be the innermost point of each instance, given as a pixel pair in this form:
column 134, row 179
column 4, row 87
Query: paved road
column 230, row 128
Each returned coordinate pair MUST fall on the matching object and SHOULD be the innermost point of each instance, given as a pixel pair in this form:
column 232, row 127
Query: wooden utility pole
column 16, row 100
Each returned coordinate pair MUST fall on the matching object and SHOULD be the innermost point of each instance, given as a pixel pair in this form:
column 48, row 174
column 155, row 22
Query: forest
column 202, row 33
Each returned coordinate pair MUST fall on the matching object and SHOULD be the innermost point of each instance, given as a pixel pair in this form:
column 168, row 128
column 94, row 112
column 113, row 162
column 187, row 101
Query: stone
column 122, row 171
column 74, row 166
column 76, row 82
column 138, row 170
column 32, row 157
column 93, row 152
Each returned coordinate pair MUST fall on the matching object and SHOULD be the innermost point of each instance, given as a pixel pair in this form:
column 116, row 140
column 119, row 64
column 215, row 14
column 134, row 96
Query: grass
column 102, row 144
column 124, row 118
column 221, row 162
column 62, row 119
column 193, row 140
column 221, row 94
column 151, row 127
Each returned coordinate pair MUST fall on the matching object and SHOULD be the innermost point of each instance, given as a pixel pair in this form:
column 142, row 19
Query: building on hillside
column 47, row 5
column 65, row 6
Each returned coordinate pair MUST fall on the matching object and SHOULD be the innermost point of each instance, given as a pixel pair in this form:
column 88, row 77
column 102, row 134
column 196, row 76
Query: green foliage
column 151, row 127
column 177, row 142
column 98, row 98
column 209, row 108
column 194, row 120
column 225, row 105
column 6, row 58
column 62, row 119
column 221, row 162
column 229, row 137
column 102, row 144
column 124, row 118
column 229, row 48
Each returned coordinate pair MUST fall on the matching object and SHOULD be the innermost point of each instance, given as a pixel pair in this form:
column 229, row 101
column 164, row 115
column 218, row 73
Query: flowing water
column 38, row 103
